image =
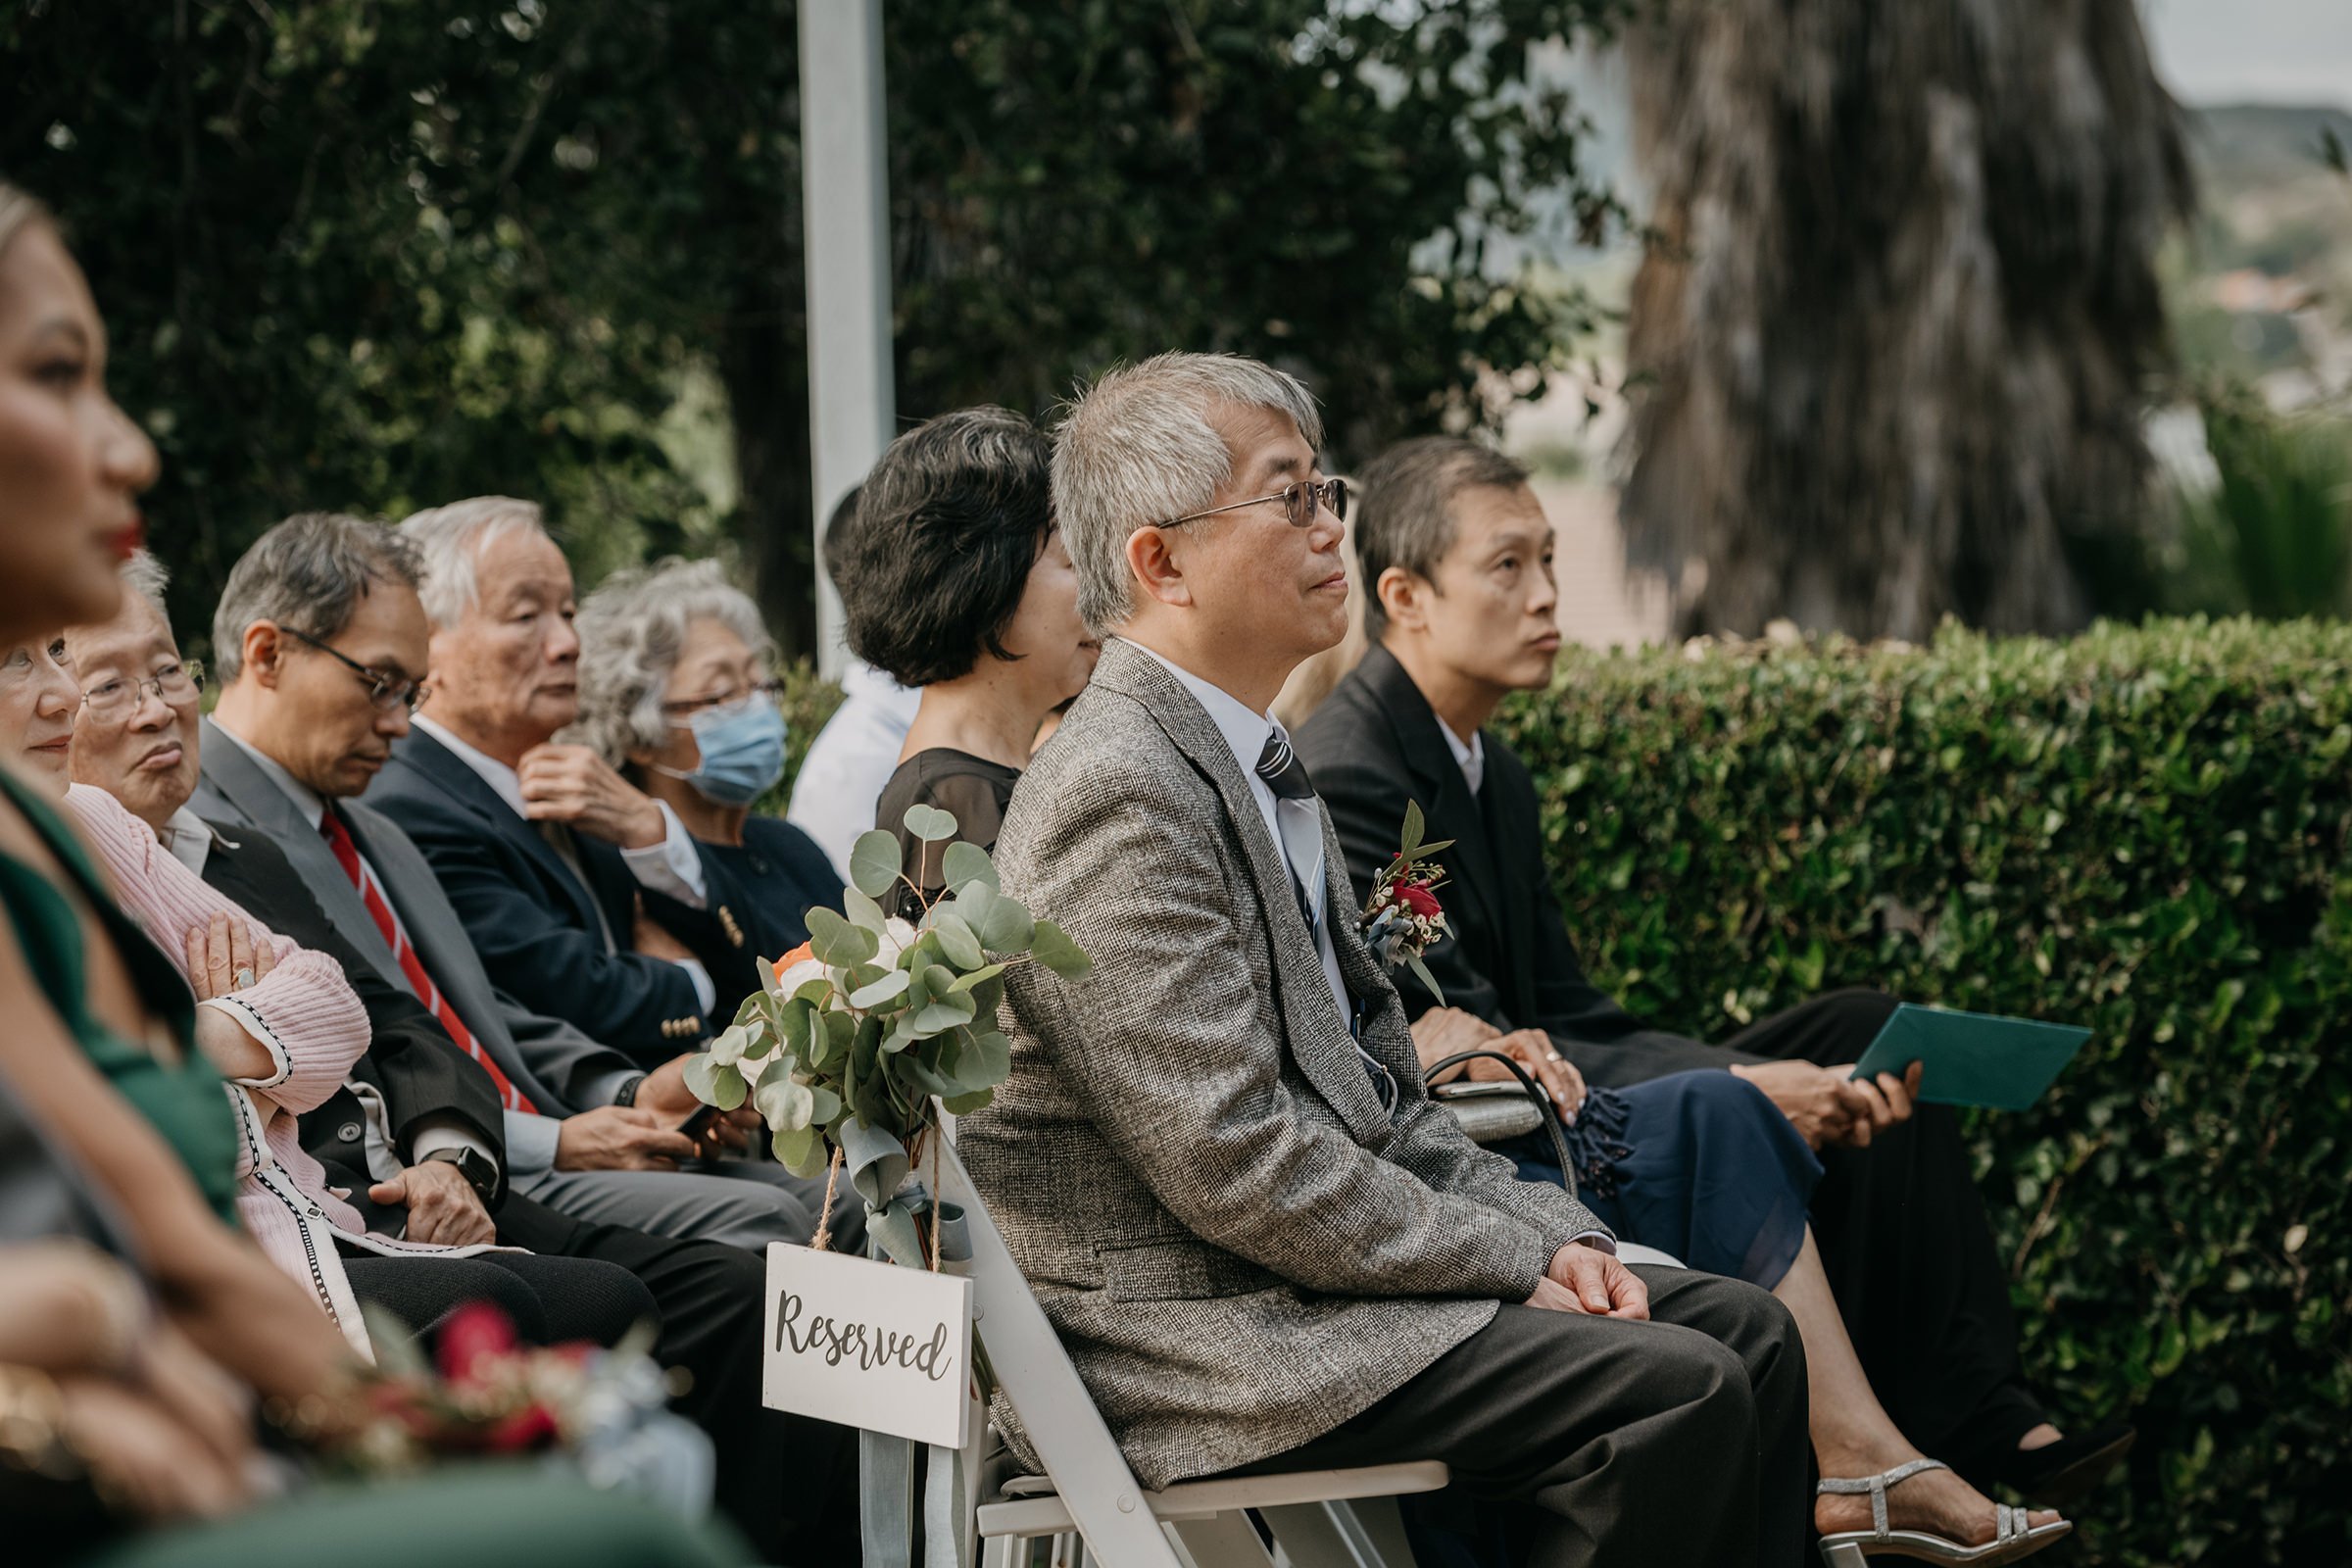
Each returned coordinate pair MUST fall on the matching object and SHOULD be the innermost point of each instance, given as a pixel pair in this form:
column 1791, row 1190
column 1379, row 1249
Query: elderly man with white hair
column 546, row 851
column 1216, row 1160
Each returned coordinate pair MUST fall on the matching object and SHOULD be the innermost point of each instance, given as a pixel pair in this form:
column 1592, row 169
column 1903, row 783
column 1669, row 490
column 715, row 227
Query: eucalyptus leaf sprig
column 854, row 1034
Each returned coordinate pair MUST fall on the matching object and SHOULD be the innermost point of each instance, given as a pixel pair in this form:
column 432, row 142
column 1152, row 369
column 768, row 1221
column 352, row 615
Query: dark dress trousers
column 1902, row 1229
column 541, row 929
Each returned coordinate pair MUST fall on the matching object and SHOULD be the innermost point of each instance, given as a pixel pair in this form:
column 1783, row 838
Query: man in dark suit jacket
column 549, row 857
column 1456, row 564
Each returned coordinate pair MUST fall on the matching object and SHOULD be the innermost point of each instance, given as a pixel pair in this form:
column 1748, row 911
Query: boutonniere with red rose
column 1402, row 919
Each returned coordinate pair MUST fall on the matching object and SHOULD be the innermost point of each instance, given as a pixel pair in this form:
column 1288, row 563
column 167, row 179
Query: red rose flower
column 475, row 1332
column 1419, row 900
column 534, row 1427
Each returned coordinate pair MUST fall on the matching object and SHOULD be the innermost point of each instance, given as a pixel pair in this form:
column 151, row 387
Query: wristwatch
column 479, row 1169
column 626, row 1094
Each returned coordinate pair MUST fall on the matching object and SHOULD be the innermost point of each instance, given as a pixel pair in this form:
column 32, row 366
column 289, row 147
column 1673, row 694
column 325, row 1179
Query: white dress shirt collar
column 306, row 800
column 668, row 866
column 189, row 839
column 1471, row 758
column 1245, row 731
column 1296, row 826
column 501, row 778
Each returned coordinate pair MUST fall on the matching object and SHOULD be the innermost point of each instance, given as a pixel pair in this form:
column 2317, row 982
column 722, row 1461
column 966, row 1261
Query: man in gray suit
column 1215, row 1161
column 295, row 736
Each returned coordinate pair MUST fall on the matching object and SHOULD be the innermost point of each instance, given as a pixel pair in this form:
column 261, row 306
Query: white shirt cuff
column 670, row 866
column 251, row 1022
column 706, row 995
column 1598, row 1240
column 605, row 1089
column 438, row 1132
column 530, row 1144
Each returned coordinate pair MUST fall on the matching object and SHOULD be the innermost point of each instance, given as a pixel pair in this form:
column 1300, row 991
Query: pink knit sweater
column 305, row 1013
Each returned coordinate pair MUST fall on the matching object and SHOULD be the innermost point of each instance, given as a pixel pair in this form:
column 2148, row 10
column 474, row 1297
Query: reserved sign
column 868, row 1345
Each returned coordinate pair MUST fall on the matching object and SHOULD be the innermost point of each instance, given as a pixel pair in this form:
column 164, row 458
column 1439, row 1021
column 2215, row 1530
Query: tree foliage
column 372, row 256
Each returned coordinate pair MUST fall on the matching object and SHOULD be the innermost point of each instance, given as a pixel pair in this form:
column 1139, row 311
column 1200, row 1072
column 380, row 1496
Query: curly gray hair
column 632, row 629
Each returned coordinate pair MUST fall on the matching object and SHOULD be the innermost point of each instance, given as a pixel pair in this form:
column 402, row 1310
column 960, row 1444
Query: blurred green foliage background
column 372, row 256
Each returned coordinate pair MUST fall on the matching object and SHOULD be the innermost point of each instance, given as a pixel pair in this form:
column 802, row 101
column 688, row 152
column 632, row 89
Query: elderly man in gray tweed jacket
column 1215, row 1160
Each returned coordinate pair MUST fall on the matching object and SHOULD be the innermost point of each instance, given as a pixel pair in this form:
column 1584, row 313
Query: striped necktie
column 1286, row 776
column 403, row 952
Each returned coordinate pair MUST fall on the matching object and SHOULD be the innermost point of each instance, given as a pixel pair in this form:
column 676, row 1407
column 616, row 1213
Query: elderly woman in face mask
column 677, row 693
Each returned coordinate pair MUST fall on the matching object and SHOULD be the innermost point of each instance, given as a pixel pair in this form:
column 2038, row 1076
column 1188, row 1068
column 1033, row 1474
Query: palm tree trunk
column 1890, row 344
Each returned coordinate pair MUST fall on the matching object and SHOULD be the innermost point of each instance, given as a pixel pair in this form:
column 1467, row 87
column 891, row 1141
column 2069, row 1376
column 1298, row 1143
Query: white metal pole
column 845, row 201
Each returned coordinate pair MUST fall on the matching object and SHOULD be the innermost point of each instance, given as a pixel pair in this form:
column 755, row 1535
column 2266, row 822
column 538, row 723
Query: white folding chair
column 1317, row 1518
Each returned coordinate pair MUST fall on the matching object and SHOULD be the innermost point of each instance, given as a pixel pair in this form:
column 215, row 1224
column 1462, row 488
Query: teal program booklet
column 1972, row 1058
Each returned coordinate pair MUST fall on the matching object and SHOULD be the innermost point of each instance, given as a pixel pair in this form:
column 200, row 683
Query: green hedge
column 2145, row 830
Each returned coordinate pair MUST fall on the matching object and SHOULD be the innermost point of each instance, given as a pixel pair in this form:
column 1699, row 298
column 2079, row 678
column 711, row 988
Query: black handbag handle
column 1535, row 1092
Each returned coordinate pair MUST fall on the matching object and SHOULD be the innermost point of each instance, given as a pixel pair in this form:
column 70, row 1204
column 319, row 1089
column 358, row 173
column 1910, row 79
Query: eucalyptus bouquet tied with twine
column 858, row 1036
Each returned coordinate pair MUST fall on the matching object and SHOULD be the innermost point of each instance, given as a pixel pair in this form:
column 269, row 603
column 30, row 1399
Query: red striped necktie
column 387, row 921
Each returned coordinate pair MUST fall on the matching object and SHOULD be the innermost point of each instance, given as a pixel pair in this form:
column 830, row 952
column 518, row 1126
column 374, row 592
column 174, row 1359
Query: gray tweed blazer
column 1238, row 1246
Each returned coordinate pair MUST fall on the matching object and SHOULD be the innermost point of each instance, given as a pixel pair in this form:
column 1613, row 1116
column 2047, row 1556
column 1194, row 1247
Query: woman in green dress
column 98, row 1053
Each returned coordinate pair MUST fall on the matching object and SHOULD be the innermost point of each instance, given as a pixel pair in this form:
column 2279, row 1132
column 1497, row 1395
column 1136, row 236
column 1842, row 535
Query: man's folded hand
column 1585, row 1279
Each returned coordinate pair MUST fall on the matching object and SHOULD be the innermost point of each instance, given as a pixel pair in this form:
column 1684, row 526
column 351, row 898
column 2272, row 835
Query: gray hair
column 307, row 574
column 632, row 629
column 1137, row 448
column 1406, row 516
column 452, row 538
column 147, row 577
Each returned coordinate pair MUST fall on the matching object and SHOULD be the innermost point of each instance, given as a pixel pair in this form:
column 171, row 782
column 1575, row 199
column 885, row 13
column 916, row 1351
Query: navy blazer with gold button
column 540, row 928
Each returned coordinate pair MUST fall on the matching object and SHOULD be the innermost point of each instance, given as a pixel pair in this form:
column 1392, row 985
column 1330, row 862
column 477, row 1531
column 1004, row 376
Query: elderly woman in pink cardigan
column 280, row 1022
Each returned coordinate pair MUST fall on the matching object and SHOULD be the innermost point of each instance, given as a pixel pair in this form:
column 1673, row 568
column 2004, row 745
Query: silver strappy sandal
column 2012, row 1537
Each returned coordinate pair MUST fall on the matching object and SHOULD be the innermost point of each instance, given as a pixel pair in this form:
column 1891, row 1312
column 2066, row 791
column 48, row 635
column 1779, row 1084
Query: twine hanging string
column 824, row 1216
column 938, row 1202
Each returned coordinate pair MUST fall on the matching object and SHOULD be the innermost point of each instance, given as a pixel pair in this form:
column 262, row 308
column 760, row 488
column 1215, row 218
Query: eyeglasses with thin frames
column 385, row 691
column 687, row 707
column 1300, row 502
column 175, row 684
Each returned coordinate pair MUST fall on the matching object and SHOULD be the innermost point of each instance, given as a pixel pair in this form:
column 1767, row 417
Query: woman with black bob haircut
column 959, row 584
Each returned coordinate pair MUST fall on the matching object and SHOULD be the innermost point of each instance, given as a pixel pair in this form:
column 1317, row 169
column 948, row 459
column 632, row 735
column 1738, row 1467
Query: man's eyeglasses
column 119, row 699
column 386, row 692
column 685, row 707
column 1298, row 504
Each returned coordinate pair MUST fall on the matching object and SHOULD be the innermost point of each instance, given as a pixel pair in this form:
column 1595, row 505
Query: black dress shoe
column 2057, row 1473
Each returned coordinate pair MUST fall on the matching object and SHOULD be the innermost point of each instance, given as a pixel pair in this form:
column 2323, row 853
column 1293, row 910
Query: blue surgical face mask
column 742, row 752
